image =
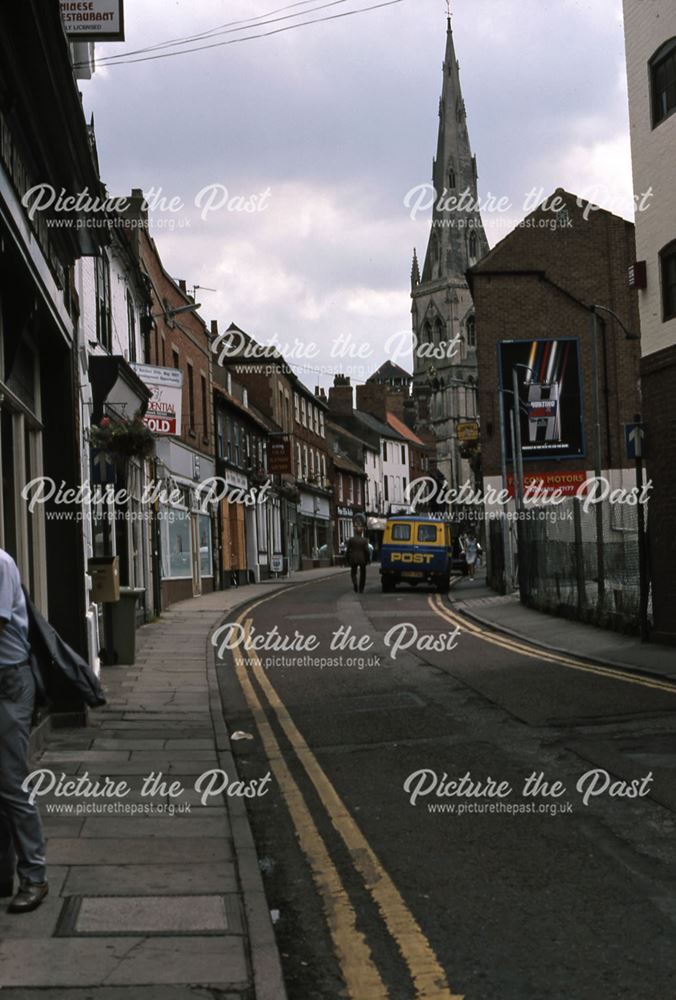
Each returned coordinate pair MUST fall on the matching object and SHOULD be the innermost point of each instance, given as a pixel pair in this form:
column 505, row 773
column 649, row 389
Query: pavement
column 155, row 896
column 507, row 614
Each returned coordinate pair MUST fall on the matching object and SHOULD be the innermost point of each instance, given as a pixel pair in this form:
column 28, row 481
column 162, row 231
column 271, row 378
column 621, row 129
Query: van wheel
column 388, row 585
column 443, row 585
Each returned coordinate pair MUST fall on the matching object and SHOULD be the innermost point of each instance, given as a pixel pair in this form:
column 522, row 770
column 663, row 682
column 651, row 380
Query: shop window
column 176, row 547
column 206, row 562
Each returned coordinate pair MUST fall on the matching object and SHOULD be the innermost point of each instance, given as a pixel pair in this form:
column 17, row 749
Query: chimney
column 214, row 328
column 372, row 398
column 341, row 399
column 395, row 403
column 182, row 286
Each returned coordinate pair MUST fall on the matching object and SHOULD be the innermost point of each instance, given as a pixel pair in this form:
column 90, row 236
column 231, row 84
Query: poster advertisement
column 164, row 409
column 550, row 397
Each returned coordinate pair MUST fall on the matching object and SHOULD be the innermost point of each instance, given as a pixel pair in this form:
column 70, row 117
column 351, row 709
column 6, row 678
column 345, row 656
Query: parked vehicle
column 416, row 550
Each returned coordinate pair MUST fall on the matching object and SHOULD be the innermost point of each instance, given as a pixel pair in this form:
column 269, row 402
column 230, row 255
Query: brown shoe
column 29, row 897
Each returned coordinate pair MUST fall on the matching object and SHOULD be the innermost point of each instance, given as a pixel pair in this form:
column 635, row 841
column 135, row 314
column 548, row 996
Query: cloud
column 339, row 120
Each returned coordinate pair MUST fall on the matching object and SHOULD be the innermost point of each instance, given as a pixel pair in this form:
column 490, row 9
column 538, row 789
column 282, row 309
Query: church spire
column 451, row 250
column 415, row 270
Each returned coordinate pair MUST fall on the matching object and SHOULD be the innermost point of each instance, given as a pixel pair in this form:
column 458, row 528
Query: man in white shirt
column 21, row 834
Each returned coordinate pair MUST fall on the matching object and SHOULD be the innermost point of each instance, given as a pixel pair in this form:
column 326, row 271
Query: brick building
column 650, row 29
column 538, row 284
column 298, row 452
column 179, row 341
column 533, row 295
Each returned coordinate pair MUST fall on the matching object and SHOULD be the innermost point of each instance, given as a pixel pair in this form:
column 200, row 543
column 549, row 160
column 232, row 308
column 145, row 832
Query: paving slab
column 150, row 880
column 211, row 960
column 137, row 851
column 151, row 915
column 153, row 826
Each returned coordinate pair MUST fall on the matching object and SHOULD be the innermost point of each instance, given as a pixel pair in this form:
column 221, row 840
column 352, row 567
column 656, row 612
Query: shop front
column 315, row 529
column 186, row 523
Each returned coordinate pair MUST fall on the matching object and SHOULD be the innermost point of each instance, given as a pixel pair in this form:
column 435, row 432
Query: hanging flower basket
column 123, row 438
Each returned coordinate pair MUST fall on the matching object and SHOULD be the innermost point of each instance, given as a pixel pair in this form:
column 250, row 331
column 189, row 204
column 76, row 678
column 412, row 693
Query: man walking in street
column 357, row 556
column 21, row 836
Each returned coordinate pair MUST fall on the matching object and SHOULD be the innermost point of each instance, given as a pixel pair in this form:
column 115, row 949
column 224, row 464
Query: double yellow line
column 362, row 978
column 516, row 646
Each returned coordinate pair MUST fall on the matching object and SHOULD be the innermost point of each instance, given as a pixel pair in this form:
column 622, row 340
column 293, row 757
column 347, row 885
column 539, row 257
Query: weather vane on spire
column 448, row 8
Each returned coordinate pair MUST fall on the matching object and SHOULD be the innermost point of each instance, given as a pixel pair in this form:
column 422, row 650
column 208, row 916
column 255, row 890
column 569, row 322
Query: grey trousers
column 21, row 836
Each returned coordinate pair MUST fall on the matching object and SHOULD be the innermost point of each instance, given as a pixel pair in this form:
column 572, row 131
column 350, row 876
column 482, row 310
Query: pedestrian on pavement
column 470, row 547
column 358, row 557
column 21, row 837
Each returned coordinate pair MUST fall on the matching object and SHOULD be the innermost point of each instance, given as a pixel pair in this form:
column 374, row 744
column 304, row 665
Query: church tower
column 444, row 332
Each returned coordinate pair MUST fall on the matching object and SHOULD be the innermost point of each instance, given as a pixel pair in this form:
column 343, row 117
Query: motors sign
column 93, row 20
column 163, row 415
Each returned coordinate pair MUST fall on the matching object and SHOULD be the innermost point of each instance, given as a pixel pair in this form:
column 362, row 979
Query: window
column 303, row 412
column 220, row 433
column 306, row 465
column 175, row 358
column 427, row 532
column 668, row 260
column 663, row 82
column 104, row 326
column 472, row 246
column 341, row 493
column 451, row 178
column 322, row 429
column 386, row 484
column 427, row 333
column 403, row 454
column 131, row 327
column 312, row 462
column 238, row 445
column 323, row 470
column 191, row 398
column 280, row 417
column 164, row 352
column 401, row 532
column 296, row 407
column 385, row 450
column 205, row 411
column 299, row 462
column 471, row 331
column 405, row 481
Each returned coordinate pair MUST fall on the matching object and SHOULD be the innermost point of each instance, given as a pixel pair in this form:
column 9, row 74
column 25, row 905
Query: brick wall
column 588, row 262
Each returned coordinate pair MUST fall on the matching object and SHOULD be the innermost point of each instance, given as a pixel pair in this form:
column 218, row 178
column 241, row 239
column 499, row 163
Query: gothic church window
column 472, row 246
column 471, row 332
column 452, row 180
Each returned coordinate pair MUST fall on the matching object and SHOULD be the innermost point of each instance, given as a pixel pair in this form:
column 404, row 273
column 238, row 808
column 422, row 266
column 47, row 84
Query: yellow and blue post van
column 416, row 550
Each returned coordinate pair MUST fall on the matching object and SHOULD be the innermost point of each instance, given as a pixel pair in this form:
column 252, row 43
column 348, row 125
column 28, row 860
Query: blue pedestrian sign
column 634, row 438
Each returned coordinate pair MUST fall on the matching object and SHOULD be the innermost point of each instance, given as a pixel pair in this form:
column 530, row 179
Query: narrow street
column 553, row 899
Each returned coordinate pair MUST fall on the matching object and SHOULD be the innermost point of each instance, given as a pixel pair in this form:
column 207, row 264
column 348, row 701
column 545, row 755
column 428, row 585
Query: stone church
column 444, row 332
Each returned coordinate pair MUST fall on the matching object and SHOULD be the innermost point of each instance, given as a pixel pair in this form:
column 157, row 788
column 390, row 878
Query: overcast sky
column 333, row 124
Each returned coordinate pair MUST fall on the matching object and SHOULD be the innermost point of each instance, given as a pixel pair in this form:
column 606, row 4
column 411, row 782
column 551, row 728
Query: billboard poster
column 93, row 20
column 550, row 397
column 164, row 409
